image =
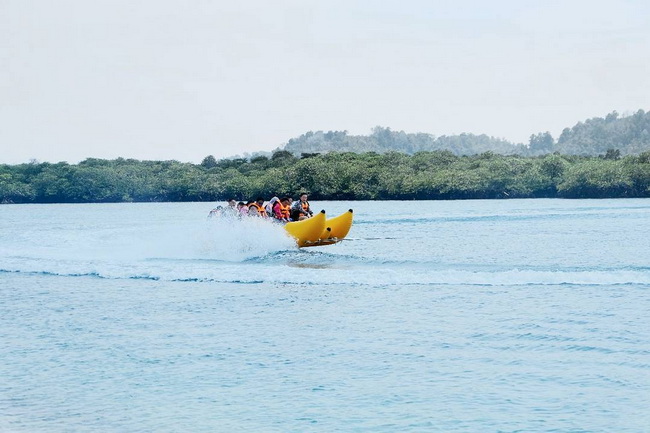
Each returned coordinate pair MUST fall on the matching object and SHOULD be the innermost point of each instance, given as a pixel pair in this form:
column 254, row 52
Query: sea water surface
column 450, row 316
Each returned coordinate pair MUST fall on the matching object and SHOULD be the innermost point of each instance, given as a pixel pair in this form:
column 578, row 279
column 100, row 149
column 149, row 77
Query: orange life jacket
column 257, row 208
column 277, row 210
column 305, row 206
column 285, row 211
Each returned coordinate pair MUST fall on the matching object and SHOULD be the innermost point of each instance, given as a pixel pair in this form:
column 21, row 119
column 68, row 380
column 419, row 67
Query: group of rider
column 281, row 209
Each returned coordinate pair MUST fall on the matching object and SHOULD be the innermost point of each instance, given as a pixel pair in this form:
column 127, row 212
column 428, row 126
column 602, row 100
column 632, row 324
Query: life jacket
column 256, row 208
column 305, row 206
column 285, row 210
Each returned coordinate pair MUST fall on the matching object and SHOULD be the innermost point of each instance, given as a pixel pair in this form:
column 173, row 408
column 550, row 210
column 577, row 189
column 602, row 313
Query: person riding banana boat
column 300, row 209
column 256, row 208
column 279, row 209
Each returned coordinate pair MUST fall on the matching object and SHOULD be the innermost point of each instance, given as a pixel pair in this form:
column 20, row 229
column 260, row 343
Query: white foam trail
column 224, row 239
column 221, row 239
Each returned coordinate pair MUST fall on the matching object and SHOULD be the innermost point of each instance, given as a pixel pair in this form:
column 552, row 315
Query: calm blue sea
column 445, row 316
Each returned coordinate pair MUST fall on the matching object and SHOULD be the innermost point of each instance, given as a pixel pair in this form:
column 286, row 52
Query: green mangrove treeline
column 342, row 176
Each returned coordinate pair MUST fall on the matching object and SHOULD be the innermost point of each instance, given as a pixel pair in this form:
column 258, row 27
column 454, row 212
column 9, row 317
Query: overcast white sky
column 182, row 79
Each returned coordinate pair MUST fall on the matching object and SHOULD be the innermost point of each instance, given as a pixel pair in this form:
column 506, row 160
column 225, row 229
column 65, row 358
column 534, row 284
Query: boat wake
column 297, row 268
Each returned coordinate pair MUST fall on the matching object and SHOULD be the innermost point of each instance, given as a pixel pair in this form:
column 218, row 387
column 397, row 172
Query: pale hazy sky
column 182, row 79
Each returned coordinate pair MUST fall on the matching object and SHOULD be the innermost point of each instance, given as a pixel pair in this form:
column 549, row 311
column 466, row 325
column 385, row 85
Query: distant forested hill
column 630, row 135
column 627, row 135
column 383, row 140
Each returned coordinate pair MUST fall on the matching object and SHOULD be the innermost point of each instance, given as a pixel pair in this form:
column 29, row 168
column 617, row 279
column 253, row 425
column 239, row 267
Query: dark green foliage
column 336, row 176
column 598, row 179
column 614, row 154
column 281, row 155
column 393, row 165
column 259, row 159
column 385, row 165
column 209, row 162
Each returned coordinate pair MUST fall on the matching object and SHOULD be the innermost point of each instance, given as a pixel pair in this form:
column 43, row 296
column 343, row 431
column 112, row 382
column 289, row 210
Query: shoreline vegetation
column 437, row 175
column 599, row 158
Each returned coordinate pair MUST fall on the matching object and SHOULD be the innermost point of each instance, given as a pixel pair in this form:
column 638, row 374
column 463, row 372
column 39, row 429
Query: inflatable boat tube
column 339, row 226
column 307, row 232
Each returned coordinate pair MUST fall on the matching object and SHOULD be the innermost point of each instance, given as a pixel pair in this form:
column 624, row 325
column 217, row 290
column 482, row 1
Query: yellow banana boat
column 340, row 226
column 318, row 230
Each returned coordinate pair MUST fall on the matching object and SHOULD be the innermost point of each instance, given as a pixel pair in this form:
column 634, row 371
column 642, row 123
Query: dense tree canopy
column 601, row 157
column 343, row 176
